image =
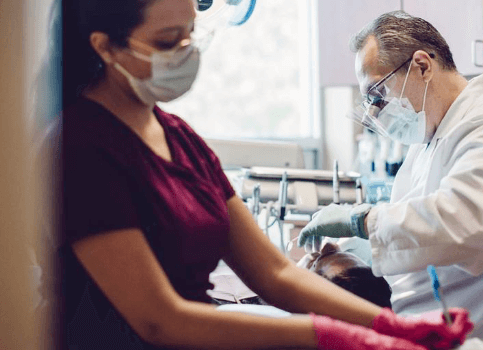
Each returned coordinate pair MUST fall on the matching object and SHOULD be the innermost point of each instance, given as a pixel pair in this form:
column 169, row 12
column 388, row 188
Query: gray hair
column 399, row 35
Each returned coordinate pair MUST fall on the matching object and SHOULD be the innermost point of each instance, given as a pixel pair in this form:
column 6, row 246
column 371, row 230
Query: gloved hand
column 429, row 329
column 336, row 221
column 337, row 335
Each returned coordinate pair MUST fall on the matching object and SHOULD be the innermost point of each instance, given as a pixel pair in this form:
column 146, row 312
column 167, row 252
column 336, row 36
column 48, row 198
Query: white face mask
column 399, row 121
column 172, row 74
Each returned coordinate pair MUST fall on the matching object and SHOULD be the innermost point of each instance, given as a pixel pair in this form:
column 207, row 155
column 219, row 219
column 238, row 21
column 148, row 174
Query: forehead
column 165, row 15
column 368, row 69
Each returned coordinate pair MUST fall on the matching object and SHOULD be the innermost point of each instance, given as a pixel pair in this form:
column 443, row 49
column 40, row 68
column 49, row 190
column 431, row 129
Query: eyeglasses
column 375, row 96
column 182, row 45
column 172, row 57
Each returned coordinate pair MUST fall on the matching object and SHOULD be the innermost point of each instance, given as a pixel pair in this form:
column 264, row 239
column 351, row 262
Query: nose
column 329, row 248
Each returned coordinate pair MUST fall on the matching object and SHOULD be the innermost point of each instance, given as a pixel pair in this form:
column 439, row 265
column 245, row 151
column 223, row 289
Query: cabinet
column 338, row 22
column 460, row 23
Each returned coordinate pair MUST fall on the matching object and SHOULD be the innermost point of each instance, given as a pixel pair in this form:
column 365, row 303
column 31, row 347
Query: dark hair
column 399, row 35
column 362, row 282
column 70, row 63
column 82, row 66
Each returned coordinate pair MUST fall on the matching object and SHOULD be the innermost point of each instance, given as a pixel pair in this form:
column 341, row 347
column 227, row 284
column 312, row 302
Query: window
column 259, row 80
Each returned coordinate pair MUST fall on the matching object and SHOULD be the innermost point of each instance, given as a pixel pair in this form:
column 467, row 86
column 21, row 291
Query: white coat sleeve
column 442, row 228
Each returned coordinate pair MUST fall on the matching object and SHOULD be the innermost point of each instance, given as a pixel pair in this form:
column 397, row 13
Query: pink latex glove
column 430, row 329
column 337, row 335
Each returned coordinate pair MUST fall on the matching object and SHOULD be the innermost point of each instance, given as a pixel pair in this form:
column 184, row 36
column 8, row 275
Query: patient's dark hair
column 362, row 282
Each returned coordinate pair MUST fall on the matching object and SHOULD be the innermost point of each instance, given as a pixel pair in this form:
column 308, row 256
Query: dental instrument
column 290, row 244
column 438, row 292
column 283, row 206
column 282, row 197
column 358, row 191
column 269, row 180
column 335, row 183
column 268, row 214
column 256, row 201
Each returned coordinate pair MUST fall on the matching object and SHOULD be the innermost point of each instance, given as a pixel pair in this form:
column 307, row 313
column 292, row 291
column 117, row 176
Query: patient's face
column 331, row 261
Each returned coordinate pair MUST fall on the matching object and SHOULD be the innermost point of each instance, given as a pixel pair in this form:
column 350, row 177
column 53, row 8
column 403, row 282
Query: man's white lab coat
column 435, row 216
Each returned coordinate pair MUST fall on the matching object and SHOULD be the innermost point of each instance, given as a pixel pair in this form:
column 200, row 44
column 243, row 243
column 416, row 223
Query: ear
column 100, row 43
column 425, row 64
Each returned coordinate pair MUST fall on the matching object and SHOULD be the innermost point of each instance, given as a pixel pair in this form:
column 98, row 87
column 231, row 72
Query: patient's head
column 349, row 272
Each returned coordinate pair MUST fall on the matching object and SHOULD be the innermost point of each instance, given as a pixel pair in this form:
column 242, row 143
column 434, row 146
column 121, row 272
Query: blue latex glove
column 336, row 221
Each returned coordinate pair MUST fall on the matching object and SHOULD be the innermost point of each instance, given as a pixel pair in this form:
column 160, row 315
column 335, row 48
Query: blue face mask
column 399, row 121
column 172, row 74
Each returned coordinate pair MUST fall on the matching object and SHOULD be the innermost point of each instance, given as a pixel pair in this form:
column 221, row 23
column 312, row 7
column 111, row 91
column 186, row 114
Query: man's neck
column 448, row 87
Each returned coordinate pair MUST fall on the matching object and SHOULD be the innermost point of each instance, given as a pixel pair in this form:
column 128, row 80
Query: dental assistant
column 147, row 211
column 414, row 94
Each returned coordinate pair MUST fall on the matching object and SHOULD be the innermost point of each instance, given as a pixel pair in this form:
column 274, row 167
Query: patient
column 349, row 272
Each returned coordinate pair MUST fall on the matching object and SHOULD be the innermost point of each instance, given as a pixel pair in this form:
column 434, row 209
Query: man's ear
column 425, row 64
column 101, row 45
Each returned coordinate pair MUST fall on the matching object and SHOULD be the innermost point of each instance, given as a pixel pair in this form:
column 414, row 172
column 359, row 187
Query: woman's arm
column 277, row 280
column 126, row 270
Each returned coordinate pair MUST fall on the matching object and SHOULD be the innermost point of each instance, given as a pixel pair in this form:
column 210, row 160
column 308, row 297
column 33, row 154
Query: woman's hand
column 337, row 335
column 429, row 329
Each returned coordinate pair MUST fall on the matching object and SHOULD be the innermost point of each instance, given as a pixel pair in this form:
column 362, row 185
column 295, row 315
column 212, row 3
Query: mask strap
column 405, row 81
column 140, row 56
column 424, row 97
column 123, row 70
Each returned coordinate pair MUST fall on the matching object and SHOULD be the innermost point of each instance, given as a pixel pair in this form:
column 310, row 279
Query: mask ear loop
column 405, row 80
column 424, row 97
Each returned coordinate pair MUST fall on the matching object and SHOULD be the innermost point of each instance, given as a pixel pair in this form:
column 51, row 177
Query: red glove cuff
column 337, row 335
column 429, row 329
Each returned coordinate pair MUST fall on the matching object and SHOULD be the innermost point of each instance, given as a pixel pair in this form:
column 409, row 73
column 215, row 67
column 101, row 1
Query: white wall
column 339, row 131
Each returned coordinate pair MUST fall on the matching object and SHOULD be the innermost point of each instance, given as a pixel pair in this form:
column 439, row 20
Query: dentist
column 414, row 94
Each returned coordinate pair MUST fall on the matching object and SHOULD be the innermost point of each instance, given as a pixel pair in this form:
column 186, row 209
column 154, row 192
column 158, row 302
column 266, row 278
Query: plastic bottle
column 366, row 152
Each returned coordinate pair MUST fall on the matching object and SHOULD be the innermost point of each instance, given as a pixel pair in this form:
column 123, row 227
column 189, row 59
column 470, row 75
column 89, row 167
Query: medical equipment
column 282, row 198
column 292, row 195
column 216, row 15
column 307, row 190
column 380, row 161
column 438, row 292
column 378, row 191
column 256, row 201
column 358, row 191
column 366, row 155
column 283, row 195
column 395, row 161
column 226, row 12
column 335, row 183
column 289, row 246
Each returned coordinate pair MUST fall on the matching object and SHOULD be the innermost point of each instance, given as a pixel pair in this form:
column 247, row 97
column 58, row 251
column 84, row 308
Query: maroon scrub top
column 112, row 180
